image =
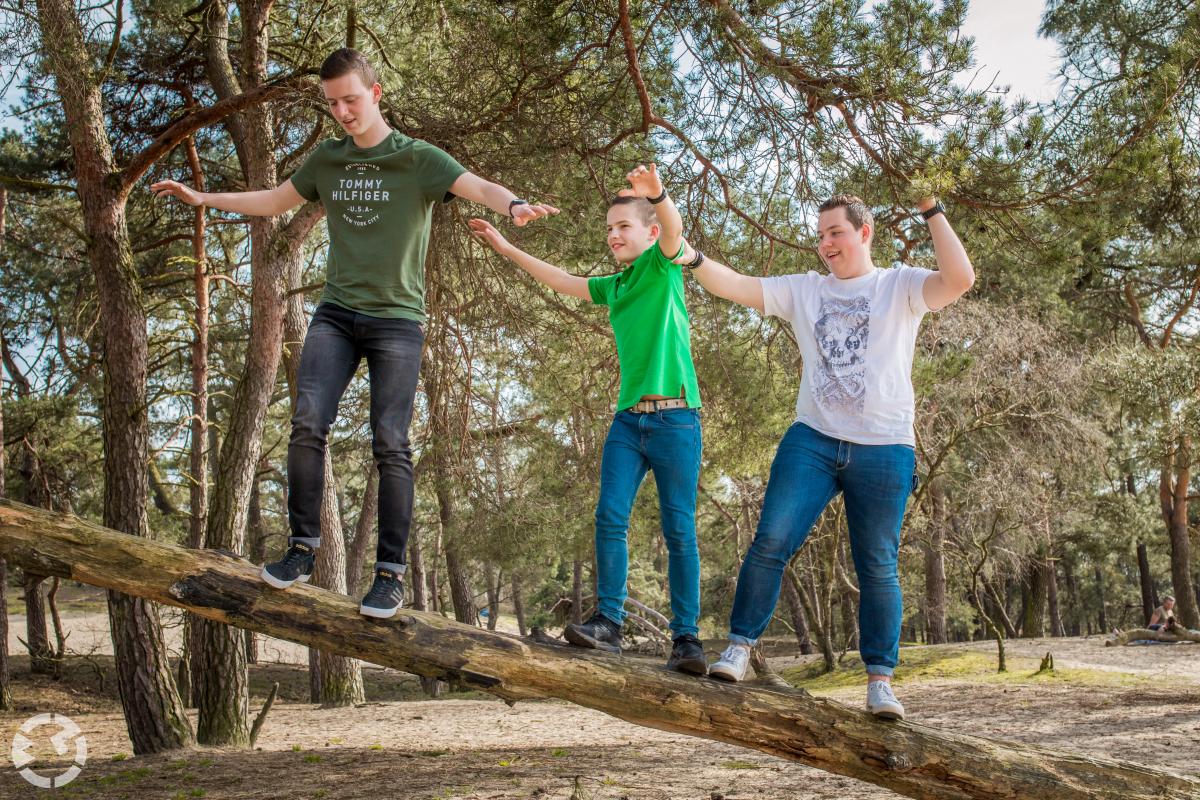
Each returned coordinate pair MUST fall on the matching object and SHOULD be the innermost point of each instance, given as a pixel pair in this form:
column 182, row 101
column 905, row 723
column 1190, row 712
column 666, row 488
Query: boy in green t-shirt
column 378, row 188
column 657, row 424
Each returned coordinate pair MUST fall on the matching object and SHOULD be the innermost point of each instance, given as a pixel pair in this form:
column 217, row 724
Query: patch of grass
column 558, row 752
column 119, row 756
column 375, row 747
column 296, row 748
column 969, row 666
column 312, row 758
column 740, row 765
column 434, row 753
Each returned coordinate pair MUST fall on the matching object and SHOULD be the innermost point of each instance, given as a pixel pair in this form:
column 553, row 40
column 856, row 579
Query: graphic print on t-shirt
column 841, row 331
column 357, row 191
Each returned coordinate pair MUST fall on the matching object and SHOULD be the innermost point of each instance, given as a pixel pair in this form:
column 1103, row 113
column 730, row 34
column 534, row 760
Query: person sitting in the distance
column 1163, row 615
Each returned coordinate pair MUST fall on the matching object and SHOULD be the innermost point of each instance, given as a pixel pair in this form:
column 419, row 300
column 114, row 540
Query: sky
column 1007, row 49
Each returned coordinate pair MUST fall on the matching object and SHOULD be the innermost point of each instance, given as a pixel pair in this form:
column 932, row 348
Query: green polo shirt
column 650, row 322
column 378, row 206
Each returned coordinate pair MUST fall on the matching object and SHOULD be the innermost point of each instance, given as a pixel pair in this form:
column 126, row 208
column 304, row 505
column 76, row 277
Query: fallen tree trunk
column 911, row 759
column 1178, row 634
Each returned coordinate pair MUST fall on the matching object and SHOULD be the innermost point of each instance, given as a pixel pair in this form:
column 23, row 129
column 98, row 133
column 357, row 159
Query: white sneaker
column 732, row 664
column 882, row 702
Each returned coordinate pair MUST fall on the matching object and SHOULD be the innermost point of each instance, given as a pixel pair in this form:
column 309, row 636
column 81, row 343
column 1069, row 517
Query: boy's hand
column 687, row 255
column 926, row 203
column 175, row 189
column 525, row 213
column 645, row 182
column 485, row 232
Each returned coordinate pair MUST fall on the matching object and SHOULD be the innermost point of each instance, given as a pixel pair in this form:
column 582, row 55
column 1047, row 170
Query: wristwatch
column 938, row 208
column 515, row 202
column 695, row 262
column 656, row 200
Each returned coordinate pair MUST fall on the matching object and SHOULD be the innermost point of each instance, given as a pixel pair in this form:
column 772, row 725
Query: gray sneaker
column 882, row 702
column 732, row 664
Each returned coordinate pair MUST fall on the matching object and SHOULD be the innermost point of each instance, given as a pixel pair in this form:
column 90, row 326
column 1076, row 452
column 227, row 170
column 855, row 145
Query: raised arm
column 263, row 203
column 646, row 183
column 557, row 279
column 954, row 275
column 498, row 199
column 723, row 281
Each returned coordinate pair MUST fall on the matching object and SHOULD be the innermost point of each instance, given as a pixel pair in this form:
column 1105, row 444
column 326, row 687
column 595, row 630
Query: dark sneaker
column 599, row 633
column 385, row 596
column 296, row 565
column 688, row 656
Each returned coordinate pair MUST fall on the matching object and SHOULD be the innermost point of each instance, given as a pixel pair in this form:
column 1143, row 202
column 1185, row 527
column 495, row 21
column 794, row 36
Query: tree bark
column 492, row 576
column 6, row 701
column 154, row 713
column 577, row 591
column 914, row 760
column 1146, row 581
column 364, row 529
column 935, row 566
column 1052, row 607
column 1103, row 616
column 1033, row 591
column 518, row 602
column 799, row 620
column 1173, row 486
column 1141, row 634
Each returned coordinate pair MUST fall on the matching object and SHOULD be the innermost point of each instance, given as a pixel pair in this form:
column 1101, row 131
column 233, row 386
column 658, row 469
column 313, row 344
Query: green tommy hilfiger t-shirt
column 650, row 323
column 378, row 205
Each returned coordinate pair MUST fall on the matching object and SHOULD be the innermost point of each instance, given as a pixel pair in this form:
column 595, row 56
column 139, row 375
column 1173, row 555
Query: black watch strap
column 938, row 208
column 516, row 201
column 656, row 200
column 695, row 262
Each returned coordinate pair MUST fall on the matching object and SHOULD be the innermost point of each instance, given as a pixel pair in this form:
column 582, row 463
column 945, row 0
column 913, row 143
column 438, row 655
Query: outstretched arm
column 552, row 276
column 725, row 282
column 263, row 203
column 954, row 275
column 644, row 182
column 498, row 199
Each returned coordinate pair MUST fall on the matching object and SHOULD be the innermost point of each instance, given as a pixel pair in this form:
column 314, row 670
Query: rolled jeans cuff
column 399, row 569
column 733, row 637
column 879, row 669
column 313, row 542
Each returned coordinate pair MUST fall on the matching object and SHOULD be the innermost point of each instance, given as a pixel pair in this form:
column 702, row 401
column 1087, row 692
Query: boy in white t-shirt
column 857, row 329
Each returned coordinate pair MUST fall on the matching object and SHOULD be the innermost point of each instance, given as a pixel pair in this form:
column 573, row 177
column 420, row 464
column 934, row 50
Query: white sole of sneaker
column 378, row 613
column 727, row 675
column 278, row 584
column 887, row 714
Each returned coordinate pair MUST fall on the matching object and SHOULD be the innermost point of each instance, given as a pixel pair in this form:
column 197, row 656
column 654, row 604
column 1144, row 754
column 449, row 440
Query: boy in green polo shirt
column 378, row 188
column 657, row 424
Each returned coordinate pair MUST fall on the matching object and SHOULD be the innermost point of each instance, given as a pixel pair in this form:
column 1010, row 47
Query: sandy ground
column 481, row 748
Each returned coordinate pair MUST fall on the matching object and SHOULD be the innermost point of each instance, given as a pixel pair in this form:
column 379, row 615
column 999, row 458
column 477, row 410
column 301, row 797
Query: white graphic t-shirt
column 856, row 338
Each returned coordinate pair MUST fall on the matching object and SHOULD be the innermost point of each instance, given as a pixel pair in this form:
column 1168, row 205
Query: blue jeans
column 809, row 470
column 337, row 340
column 669, row 443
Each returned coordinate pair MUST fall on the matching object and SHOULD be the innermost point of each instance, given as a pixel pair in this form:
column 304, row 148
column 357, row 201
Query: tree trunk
column 1174, row 482
column 1103, row 617
column 6, row 701
column 914, row 760
column 416, row 572
column 364, row 531
column 1056, row 623
column 577, row 591
column 819, row 622
column 37, row 636
column 518, row 602
column 1033, row 593
column 256, row 551
column 154, row 713
column 799, row 619
column 1075, row 611
column 1149, row 602
column 492, row 576
column 935, row 567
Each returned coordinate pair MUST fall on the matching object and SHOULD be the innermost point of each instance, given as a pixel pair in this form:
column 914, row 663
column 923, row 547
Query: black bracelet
column 933, row 212
column 656, row 200
column 695, row 262
column 515, row 202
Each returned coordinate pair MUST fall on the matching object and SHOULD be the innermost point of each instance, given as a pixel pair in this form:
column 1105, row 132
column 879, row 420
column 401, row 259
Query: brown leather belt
column 650, row 406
